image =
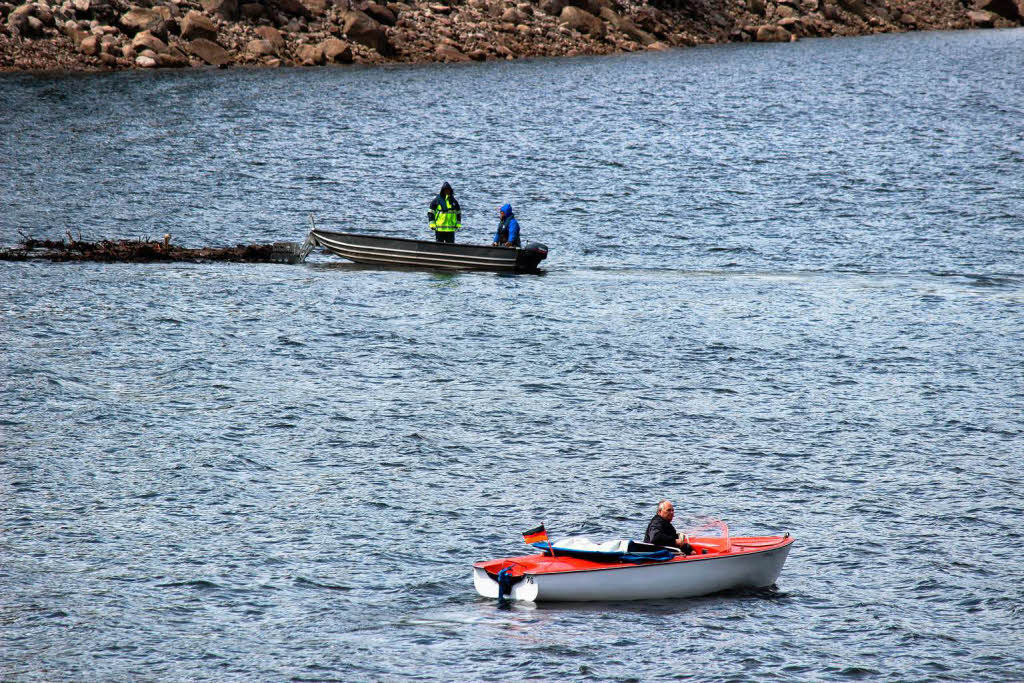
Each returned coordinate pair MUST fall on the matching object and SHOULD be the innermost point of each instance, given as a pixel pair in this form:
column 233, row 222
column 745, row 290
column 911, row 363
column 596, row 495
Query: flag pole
column 547, row 538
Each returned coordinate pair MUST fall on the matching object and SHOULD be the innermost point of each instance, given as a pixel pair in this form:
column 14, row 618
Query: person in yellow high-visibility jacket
column 445, row 215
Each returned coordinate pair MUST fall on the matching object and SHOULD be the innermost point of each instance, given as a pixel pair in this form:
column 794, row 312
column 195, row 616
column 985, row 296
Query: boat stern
column 485, row 580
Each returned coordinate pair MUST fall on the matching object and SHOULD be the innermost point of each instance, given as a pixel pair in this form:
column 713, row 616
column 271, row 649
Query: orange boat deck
column 707, row 548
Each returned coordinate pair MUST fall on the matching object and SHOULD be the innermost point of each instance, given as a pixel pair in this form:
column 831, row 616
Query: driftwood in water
column 132, row 251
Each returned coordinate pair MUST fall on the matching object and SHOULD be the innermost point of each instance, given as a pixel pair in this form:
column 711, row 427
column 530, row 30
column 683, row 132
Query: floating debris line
column 143, row 251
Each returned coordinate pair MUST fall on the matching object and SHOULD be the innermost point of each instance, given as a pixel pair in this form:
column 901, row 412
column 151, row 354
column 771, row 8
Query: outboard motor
column 536, row 250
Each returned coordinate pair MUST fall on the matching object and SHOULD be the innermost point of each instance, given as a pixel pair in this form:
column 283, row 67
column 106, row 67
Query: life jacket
column 502, row 234
column 446, row 218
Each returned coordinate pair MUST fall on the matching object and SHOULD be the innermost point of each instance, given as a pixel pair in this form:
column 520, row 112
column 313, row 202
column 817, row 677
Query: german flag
column 535, row 534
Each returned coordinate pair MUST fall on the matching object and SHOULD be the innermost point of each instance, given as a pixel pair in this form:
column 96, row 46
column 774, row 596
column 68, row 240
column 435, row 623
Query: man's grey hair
column 661, row 503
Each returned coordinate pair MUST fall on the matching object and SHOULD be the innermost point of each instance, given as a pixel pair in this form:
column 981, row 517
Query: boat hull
column 397, row 251
column 546, row 579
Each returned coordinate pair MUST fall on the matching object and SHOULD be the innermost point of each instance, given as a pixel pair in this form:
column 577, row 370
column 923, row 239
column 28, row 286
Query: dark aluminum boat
column 398, row 251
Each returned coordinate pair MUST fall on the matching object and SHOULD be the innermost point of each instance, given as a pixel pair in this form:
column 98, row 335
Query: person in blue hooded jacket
column 507, row 234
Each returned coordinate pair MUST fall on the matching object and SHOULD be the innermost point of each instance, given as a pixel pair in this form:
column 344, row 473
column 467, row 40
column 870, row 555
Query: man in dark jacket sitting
column 661, row 532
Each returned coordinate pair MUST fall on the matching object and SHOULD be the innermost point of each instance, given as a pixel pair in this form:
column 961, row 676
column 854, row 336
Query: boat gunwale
column 785, row 543
column 442, row 245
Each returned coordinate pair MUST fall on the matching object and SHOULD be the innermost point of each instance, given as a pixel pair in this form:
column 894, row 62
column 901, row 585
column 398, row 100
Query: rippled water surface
column 785, row 288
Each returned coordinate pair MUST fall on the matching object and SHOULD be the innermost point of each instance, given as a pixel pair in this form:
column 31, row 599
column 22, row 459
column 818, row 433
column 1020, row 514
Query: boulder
column 32, row 27
column 310, row 55
column 139, row 19
column 209, row 51
column 552, row 7
column 769, row 33
column 756, row 7
column 513, row 16
column 786, row 12
column 794, row 25
column 582, row 21
column 981, row 18
column 197, row 25
column 271, row 35
column 260, row 48
column 366, row 31
column 318, row 8
column 252, row 10
column 145, row 39
column 447, row 53
column 174, row 59
column 44, row 15
column 337, row 51
column 626, row 25
column 18, row 22
column 71, row 30
column 227, row 9
column 292, row 8
column 908, row 20
column 105, row 11
column 1007, row 9
column 855, row 7
column 90, row 45
column 592, row 6
column 145, row 61
column 381, row 14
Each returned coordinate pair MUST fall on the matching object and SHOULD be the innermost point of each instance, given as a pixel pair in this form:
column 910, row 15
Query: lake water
column 785, row 289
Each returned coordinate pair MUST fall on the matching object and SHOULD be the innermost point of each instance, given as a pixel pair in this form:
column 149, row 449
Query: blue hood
column 507, row 209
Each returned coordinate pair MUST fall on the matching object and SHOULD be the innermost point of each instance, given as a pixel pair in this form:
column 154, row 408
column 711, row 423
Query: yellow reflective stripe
column 445, row 218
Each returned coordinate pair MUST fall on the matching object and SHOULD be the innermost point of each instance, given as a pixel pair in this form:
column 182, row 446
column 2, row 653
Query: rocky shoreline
column 95, row 35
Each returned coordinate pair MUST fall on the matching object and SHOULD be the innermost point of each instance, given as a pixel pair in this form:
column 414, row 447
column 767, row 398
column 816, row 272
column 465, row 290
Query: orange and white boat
column 576, row 569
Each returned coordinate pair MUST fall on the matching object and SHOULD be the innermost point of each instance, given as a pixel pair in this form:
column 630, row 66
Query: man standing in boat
column 445, row 215
column 507, row 234
column 661, row 532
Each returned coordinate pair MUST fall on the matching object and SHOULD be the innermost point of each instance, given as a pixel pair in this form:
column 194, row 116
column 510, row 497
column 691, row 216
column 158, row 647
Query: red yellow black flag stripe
column 535, row 534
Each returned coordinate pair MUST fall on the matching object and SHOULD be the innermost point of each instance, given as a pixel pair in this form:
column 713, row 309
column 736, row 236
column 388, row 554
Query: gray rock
column 145, row 62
